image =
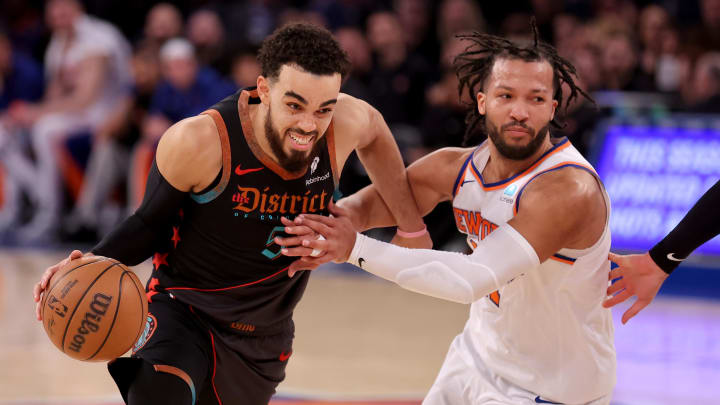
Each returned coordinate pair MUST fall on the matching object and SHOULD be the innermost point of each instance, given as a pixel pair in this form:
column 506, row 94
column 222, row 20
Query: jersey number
column 271, row 240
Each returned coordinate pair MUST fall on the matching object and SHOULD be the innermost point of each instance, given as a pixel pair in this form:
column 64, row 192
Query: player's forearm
column 498, row 259
column 383, row 163
column 367, row 209
column 699, row 225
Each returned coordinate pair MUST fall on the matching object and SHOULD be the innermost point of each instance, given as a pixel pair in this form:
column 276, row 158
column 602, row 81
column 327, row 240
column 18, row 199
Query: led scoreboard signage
column 654, row 175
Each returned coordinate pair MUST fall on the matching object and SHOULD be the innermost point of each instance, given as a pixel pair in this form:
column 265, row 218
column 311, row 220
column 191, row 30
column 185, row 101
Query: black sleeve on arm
column 134, row 239
column 699, row 225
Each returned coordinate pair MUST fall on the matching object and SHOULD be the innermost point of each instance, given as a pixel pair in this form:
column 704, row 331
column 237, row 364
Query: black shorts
column 221, row 366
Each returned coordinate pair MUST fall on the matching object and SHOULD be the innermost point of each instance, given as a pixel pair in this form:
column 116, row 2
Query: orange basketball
column 94, row 309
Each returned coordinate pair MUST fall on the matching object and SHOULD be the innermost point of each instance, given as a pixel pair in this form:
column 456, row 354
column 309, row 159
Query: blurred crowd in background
column 88, row 87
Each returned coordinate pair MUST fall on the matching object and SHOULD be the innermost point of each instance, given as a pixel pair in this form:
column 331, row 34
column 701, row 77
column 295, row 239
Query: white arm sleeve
column 499, row 258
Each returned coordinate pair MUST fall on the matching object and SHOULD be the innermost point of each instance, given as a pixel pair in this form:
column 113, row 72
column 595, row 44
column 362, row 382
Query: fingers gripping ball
column 94, row 309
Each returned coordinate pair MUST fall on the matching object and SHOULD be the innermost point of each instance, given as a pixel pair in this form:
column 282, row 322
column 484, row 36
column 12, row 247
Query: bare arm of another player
column 188, row 158
column 431, row 180
column 560, row 209
column 361, row 127
column 643, row 275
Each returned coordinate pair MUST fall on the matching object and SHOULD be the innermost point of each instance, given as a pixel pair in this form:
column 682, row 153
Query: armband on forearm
column 502, row 256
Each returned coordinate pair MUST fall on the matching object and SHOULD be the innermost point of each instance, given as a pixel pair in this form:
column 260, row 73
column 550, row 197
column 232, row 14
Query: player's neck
column 499, row 168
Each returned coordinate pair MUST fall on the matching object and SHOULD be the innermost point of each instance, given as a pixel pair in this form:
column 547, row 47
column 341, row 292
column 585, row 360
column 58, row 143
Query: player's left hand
column 338, row 233
column 309, row 259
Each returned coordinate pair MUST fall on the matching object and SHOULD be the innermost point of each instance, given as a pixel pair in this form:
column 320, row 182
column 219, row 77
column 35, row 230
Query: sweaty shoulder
column 189, row 155
column 356, row 120
column 573, row 199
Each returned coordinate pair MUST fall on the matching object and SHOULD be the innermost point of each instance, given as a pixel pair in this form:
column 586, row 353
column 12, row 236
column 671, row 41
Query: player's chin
column 300, row 142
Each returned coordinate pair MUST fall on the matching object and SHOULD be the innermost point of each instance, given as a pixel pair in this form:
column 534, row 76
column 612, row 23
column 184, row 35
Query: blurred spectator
column 620, row 65
column 443, row 123
column 21, row 77
column 23, row 23
column 88, row 74
column 706, row 36
column 245, row 68
column 95, row 211
column 654, row 21
column 456, row 16
column 249, row 22
column 415, row 18
column 186, row 89
column 705, row 83
column 398, row 79
column 207, row 34
column 353, row 42
column 162, row 22
column 295, row 15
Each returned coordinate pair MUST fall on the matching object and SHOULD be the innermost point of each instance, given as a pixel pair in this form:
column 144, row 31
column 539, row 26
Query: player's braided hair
column 474, row 65
column 310, row 47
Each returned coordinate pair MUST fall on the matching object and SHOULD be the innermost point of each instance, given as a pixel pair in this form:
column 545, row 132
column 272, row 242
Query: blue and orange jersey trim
column 558, row 166
column 564, row 143
column 563, row 259
column 226, row 161
column 461, row 175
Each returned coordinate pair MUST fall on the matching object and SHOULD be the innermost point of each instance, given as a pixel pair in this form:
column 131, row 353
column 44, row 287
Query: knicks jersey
column 220, row 256
column 546, row 330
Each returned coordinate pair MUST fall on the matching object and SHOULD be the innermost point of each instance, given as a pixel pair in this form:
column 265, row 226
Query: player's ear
column 554, row 107
column 480, row 97
column 263, row 89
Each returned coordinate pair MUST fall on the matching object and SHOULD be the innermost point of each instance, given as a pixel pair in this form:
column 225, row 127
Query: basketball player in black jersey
column 219, row 329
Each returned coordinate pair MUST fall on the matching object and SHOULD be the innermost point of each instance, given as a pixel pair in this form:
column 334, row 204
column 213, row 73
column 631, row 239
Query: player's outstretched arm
column 363, row 127
column 431, row 180
column 643, row 275
column 549, row 219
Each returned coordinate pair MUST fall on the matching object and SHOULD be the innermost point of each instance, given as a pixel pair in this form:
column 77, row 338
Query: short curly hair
column 312, row 48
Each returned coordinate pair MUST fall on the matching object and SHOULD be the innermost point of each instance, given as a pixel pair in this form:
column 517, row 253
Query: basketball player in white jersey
column 535, row 215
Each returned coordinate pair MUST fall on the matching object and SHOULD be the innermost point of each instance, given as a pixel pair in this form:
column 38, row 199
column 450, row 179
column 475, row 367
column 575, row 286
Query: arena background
column 653, row 68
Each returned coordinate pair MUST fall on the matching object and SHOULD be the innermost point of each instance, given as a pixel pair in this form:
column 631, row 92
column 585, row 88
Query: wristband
column 417, row 234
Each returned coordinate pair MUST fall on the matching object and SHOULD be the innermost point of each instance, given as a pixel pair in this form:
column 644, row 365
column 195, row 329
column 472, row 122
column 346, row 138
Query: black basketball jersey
column 221, row 258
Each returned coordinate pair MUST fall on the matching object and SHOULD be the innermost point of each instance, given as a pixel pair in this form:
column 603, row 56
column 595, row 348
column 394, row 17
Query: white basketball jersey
column 546, row 330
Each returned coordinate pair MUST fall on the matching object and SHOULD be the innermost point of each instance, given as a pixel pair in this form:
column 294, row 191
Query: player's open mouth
column 301, row 141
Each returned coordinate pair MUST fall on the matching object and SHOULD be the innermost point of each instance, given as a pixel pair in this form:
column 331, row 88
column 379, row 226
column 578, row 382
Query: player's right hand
column 42, row 284
column 636, row 275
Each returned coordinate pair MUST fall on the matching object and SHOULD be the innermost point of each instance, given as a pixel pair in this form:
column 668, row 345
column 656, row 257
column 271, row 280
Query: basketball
column 94, row 309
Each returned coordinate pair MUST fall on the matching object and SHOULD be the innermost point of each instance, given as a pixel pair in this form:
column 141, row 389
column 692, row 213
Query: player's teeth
column 299, row 140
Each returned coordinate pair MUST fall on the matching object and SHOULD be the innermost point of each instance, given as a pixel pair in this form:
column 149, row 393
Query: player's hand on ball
column 42, row 284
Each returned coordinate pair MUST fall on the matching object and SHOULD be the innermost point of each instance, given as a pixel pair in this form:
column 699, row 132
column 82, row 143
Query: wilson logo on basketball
column 91, row 321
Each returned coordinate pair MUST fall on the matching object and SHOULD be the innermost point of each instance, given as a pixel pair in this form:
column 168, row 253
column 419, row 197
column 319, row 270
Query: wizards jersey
column 221, row 258
column 546, row 330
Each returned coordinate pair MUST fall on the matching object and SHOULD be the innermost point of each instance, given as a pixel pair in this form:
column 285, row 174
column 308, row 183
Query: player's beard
column 516, row 152
column 296, row 160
